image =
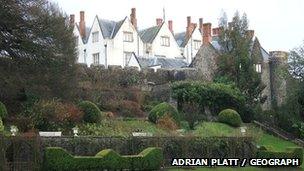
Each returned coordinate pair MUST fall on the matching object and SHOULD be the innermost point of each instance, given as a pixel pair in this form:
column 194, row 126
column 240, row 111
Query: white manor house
column 120, row 43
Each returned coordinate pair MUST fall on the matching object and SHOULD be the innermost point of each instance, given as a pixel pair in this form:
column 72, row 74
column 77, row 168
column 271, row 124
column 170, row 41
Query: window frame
column 197, row 44
column 96, row 62
column 127, row 61
column 95, row 37
column 165, row 41
column 127, row 35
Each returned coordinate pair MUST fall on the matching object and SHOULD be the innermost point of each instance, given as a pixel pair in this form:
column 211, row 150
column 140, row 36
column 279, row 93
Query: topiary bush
column 230, row 117
column 161, row 109
column 57, row 158
column 92, row 114
column 3, row 111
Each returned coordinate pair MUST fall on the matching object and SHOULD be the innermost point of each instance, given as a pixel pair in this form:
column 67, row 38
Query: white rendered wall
column 117, row 46
column 169, row 51
column 189, row 50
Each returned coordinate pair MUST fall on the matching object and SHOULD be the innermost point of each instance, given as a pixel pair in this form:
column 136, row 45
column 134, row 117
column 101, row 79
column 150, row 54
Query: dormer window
column 258, row 68
column 95, row 37
column 128, row 36
column 165, row 41
column 197, row 44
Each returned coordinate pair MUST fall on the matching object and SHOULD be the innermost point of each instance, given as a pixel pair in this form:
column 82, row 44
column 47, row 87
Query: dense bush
column 292, row 152
column 161, row 109
column 92, row 114
column 58, row 159
column 3, row 111
column 230, row 117
column 215, row 96
column 1, row 125
column 52, row 115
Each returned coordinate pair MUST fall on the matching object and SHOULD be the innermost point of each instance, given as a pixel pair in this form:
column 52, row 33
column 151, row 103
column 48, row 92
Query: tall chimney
column 159, row 21
column 72, row 19
column 188, row 21
column 133, row 17
column 207, row 33
column 200, row 24
column 82, row 25
column 170, row 23
column 190, row 26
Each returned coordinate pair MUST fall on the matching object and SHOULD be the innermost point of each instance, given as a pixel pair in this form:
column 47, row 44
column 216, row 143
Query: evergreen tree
column 37, row 39
column 235, row 63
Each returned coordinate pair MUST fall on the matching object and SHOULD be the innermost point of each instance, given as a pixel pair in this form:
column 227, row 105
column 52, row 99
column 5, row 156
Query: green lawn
column 262, row 138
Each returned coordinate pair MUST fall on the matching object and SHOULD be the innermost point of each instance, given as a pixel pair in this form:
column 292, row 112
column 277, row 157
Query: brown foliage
column 127, row 108
column 167, row 122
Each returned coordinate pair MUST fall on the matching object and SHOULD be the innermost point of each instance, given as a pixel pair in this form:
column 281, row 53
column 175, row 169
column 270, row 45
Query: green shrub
column 58, row 159
column 292, row 152
column 92, row 114
column 230, row 117
column 3, row 111
column 1, row 125
column 215, row 96
column 161, row 109
column 52, row 115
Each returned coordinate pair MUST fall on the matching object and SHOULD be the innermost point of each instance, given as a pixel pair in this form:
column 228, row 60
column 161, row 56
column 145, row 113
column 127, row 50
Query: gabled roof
column 148, row 35
column 87, row 33
column 110, row 28
column 182, row 39
column 169, row 63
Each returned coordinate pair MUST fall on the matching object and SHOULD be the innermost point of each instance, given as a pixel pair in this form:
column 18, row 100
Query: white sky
column 279, row 24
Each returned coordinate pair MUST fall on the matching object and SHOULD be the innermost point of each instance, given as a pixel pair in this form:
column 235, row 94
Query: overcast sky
column 279, row 24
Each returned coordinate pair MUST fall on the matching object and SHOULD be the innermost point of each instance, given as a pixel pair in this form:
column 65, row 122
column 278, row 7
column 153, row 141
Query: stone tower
column 278, row 73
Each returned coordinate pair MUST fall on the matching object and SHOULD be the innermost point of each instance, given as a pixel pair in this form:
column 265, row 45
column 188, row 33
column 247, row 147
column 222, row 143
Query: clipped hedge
column 291, row 152
column 3, row 111
column 57, row 158
column 92, row 114
column 230, row 117
column 163, row 109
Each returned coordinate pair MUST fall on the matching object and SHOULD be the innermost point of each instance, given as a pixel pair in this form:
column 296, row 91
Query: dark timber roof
column 169, row 63
column 148, row 35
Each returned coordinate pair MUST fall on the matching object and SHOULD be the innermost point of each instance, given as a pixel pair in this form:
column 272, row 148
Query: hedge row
column 172, row 146
column 57, row 158
column 291, row 152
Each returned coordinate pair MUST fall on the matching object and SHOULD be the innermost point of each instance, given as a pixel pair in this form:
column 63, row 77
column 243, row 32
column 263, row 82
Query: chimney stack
column 201, row 24
column 72, row 19
column 170, row 23
column 207, row 33
column 190, row 27
column 159, row 21
column 133, row 17
column 188, row 21
column 82, row 25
